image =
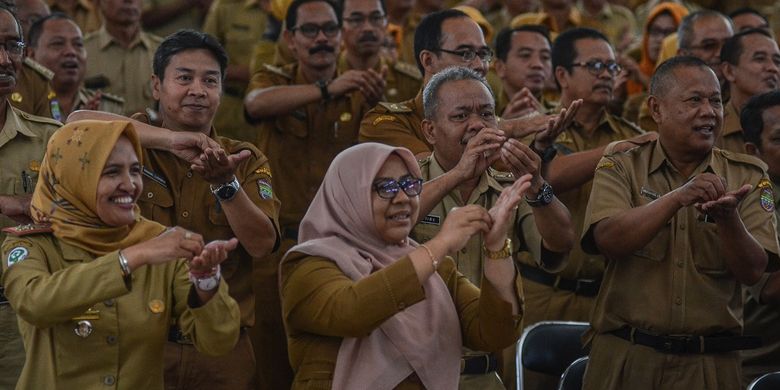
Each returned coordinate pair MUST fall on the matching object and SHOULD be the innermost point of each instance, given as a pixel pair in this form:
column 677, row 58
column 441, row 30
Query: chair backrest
column 572, row 377
column 766, row 382
column 549, row 347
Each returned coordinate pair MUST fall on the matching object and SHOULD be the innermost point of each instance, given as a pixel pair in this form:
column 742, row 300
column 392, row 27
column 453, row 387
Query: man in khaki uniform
column 557, row 15
column 463, row 177
column 751, row 64
column 614, row 21
column 364, row 32
column 760, row 126
column 83, row 12
column 57, row 43
column 33, row 89
column 23, row 140
column 120, row 54
column 671, row 299
column 238, row 25
column 165, row 17
column 307, row 113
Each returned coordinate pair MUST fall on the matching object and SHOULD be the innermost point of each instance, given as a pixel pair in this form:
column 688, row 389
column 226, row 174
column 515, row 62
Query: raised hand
column 462, row 223
column 521, row 161
column 190, row 146
column 556, row 125
column 523, row 103
column 212, row 255
column 725, row 206
column 501, row 212
column 481, row 151
column 703, row 188
column 217, row 167
column 175, row 243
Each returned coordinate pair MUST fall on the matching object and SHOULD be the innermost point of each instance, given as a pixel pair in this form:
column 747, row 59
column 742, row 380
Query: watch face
column 226, row 192
column 547, row 194
column 207, row 284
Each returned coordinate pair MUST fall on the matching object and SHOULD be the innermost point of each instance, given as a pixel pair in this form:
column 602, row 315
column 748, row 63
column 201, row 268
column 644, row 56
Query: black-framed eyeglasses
column 468, row 55
column 13, row 48
column 311, row 30
column 388, row 188
column 376, row 19
column 596, row 67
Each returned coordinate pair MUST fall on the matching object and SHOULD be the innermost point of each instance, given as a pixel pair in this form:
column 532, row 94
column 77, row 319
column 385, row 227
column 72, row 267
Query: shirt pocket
column 706, row 249
column 156, row 203
column 69, row 348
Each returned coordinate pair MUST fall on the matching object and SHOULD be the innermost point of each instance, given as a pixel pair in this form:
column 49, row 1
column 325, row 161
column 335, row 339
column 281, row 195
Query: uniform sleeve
column 532, row 242
column 390, row 130
column 486, row 320
column 211, row 24
column 317, row 297
column 263, row 79
column 256, row 182
column 609, row 196
column 759, row 217
column 214, row 326
column 44, row 294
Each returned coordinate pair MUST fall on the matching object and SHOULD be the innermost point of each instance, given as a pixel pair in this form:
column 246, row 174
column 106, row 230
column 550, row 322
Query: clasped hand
column 707, row 193
column 179, row 243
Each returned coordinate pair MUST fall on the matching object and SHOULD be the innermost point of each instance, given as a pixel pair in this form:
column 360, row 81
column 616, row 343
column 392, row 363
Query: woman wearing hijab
column 97, row 285
column 365, row 307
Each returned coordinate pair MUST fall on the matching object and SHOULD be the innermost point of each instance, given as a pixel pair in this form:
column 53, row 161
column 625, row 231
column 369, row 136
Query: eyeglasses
column 596, row 67
column 468, row 55
column 13, row 48
column 376, row 19
column 311, row 30
column 388, row 188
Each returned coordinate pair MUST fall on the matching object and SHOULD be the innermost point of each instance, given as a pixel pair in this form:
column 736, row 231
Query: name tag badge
column 649, row 194
column 431, row 219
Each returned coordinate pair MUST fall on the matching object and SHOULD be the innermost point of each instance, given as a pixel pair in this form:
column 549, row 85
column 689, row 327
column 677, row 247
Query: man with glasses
column 751, row 65
column 23, row 139
column 461, row 124
column 364, row 33
column 585, row 68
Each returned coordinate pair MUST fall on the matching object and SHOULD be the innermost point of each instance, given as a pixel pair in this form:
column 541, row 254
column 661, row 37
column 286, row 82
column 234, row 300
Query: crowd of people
column 382, row 194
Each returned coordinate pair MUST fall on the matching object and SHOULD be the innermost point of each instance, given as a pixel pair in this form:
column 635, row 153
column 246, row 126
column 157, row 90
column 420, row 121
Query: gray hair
column 453, row 73
column 685, row 31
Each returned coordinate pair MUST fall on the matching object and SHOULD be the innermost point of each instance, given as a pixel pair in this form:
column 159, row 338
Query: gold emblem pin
column 35, row 165
column 156, row 306
column 345, row 116
column 16, row 97
column 83, row 329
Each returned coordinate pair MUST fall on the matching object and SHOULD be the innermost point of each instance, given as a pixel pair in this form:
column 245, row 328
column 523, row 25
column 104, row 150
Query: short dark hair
column 184, row 40
column 752, row 116
column 291, row 19
column 747, row 10
column 36, row 30
column 12, row 10
column 504, row 38
column 685, row 30
column 663, row 77
column 340, row 4
column 732, row 48
column 427, row 35
column 564, row 49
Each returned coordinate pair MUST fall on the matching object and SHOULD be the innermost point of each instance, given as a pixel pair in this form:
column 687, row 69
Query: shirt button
column 189, row 174
column 678, row 301
column 109, row 302
column 150, row 195
column 111, row 340
column 109, row 380
column 185, row 213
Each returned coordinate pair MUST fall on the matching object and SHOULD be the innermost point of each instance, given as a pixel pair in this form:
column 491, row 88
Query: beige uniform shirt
column 614, row 21
column 85, row 14
column 731, row 138
column 396, row 124
column 544, row 19
column 238, row 25
column 129, row 71
column 523, row 233
column 33, row 89
column 402, row 82
column 301, row 145
column 175, row 196
column 192, row 18
column 678, row 283
column 53, row 286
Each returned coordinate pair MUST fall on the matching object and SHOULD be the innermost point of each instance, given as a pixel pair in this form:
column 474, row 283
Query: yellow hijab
column 66, row 193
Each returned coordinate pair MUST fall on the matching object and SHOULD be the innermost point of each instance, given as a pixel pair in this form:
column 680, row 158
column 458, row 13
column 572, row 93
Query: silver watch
column 208, row 283
column 226, row 191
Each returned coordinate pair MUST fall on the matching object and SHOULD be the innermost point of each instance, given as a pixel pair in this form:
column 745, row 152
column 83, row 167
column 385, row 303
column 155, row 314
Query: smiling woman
column 96, row 285
column 365, row 307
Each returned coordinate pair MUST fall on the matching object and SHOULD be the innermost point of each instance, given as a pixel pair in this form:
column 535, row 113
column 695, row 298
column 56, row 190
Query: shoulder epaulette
column 610, row 149
column 395, row 107
column 277, row 70
column 501, row 176
column 408, row 69
column 36, row 118
column 38, row 68
column 29, row 229
column 111, row 97
column 741, row 158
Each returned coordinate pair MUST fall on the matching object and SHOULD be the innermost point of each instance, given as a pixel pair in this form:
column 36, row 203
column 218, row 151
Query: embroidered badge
column 16, row 255
column 431, row 219
column 605, row 164
column 263, row 171
column 767, row 199
column 383, row 118
column 264, row 188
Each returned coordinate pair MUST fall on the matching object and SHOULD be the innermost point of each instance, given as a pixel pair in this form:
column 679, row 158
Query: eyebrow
column 188, row 70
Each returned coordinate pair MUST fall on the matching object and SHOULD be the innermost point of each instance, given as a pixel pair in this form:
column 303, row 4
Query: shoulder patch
column 16, row 255
column 264, row 189
column 277, row 70
column 395, row 107
column 742, row 158
column 264, row 171
column 382, row 118
column 605, row 164
column 38, row 68
column 501, row 176
column 26, row 230
column 408, row 70
column 766, row 195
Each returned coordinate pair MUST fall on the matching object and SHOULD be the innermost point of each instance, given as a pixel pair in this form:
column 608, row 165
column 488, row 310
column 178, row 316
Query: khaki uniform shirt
column 503, row 100
column 574, row 139
column 129, row 71
column 396, row 124
column 301, row 145
column 175, row 196
column 402, row 82
column 406, row 49
column 108, row 103
column 33, row 90
column 238, row 25
column 57, row 285
column 311, row 283
column 85, row 14
column 523, row 233
column 192, row 18
column 731, row 138
column 544, row 19
column 614, row 21
column 679, row 282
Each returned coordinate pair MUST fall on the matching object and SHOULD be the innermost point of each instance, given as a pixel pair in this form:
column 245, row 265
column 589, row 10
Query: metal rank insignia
column 83, row 329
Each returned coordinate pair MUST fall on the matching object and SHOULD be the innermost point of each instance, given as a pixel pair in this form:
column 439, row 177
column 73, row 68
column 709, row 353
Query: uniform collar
column 105, row 39
column 659, row 157
column 606, row 123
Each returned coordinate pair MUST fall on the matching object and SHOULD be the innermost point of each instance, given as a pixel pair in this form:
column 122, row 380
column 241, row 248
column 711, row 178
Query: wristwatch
column 226, row 191
column 323, row 85
column 547, row 154
column 208, row 283
column 543, row 198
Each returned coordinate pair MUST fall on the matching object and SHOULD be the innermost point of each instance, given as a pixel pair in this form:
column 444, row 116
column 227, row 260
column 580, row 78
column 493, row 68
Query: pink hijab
column 339, row 225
